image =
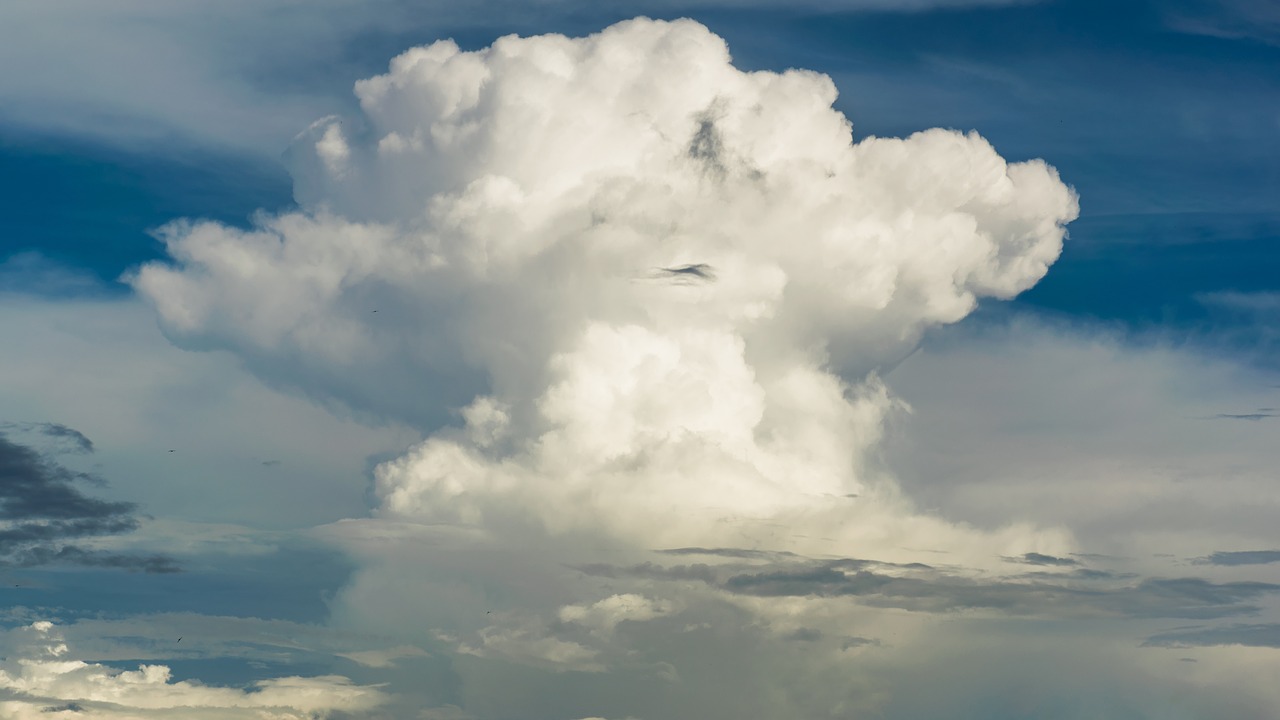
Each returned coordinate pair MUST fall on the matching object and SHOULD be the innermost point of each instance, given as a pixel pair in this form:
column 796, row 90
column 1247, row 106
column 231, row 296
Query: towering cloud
column 657, row 289
column 667, row 283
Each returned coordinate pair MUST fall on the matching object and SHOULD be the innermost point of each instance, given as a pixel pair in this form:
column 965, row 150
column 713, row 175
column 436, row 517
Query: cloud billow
column 655, row 293
column 503, row 211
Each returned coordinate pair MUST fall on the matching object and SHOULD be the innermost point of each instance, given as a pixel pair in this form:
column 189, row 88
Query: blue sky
column 424, row 511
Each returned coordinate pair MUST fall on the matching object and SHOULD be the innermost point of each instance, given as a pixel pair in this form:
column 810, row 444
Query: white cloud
column 46, row 682
column 523, row 220
column 603, row 616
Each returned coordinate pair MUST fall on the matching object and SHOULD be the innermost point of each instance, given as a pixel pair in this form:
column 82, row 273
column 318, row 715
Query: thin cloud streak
column 1241, row 557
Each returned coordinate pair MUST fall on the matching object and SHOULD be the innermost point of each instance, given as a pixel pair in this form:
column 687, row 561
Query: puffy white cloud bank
column 639, row 300
column 47, row 682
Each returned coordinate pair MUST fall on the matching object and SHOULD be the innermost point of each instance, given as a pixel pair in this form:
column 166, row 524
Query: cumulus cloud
column 44, row 680
column 502, row 212
column 640, row 301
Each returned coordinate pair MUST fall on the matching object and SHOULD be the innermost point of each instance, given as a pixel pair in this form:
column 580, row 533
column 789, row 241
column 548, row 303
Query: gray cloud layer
column 1244, row 557
column 922, row 588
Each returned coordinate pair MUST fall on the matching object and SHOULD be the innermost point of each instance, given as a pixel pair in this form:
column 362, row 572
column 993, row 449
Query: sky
column 649, row 360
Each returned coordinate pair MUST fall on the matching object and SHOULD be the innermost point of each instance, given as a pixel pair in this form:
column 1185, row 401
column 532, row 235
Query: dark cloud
column 57, row 431
column 805, row 635
column 1244, row 557
column 77, row 438
column 1259, row 635
column 730, row 553
column 810, row 635
column 652, row 571
column 34, row 487
column 707, row 145
column 1035, row 558
column 1077, row 574
column 1244, row 416
column 72, row 555
column 1149, row 598
column 920, row 588
column 699, row 271
column 41, row 509
column 76, row 528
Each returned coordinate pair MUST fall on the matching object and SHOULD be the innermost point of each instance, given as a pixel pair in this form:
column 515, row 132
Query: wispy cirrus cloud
column 921, row 588
column 1229, row 19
